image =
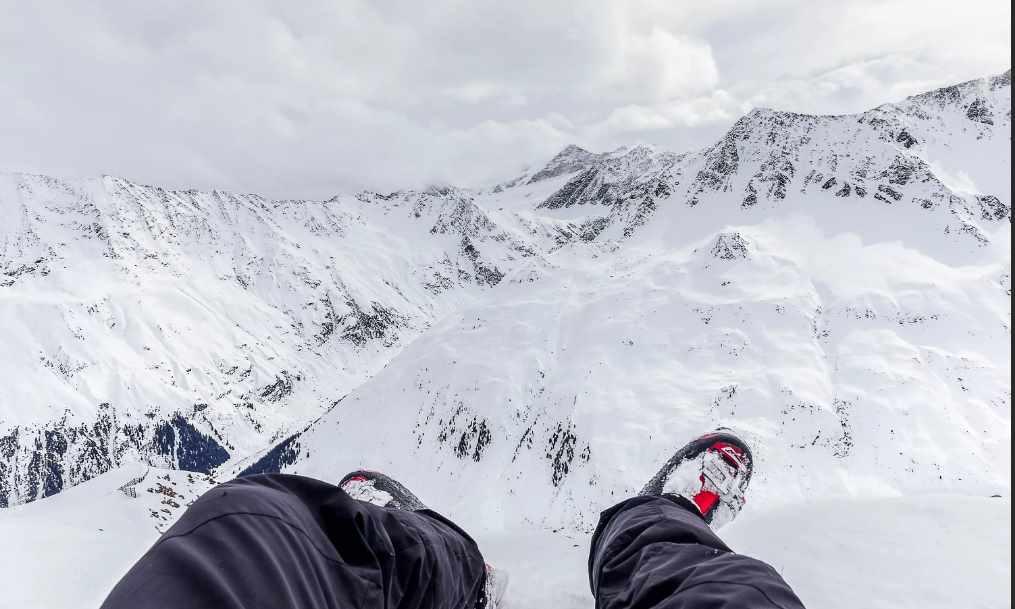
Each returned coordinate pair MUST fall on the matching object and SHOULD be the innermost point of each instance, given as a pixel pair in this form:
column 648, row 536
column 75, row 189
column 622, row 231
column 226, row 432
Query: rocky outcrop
column 729, row 246
column 569, row 160
column 39, row 461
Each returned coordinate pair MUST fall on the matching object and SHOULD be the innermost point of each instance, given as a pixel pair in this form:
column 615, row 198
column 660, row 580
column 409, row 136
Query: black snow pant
column 658, row 553
column 277, row 541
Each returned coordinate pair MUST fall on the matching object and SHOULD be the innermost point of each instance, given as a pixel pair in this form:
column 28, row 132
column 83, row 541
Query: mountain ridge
column 295, row 303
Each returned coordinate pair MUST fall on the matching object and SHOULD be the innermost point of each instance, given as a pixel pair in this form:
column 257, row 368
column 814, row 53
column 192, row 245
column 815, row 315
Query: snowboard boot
column 711, row 472
column 383, row 491
column 380, row 490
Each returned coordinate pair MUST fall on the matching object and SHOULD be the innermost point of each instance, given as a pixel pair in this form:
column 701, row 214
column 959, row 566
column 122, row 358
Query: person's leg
column 287, row 541
column 656, row 552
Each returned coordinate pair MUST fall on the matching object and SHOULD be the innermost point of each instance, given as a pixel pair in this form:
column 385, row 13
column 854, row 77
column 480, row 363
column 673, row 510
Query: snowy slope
column 182, row 329
column 861, row 341
column 835, row 288
column 69, row 551
column 552, row 397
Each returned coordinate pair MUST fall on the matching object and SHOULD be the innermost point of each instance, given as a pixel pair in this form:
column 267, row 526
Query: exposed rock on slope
column 898, row 154
column 180, row 328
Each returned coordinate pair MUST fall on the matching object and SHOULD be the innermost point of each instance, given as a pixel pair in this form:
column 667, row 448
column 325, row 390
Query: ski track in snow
column 836, row 289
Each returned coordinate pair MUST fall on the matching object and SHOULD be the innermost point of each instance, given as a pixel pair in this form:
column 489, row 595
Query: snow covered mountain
column 836, row 288
column 811, row 281
column 183, row 329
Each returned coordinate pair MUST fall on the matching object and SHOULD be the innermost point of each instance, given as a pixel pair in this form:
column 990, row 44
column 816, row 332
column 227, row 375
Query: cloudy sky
column 314, row 97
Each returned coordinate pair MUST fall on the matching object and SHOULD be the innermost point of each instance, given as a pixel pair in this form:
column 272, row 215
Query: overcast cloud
column 310, row 98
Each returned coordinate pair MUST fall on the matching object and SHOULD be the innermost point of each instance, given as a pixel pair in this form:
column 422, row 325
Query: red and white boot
column 712, row 471
column 380, row 490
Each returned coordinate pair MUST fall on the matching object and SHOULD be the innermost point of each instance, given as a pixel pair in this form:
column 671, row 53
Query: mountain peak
column 966, row 92
column 571, row 150
column 572, row 158
column 1001, row 80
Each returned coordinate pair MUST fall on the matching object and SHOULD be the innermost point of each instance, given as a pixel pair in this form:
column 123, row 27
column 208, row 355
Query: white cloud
column 314, row 97
column 480, row 91
column 657, row 65
column 716, row 108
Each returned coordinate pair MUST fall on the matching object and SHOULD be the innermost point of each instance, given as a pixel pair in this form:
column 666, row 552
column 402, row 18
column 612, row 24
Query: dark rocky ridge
column 768, row 155
column 37, row 462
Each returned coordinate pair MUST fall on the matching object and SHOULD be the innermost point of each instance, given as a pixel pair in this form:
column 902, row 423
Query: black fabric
column 279, row 541
column 655, row 552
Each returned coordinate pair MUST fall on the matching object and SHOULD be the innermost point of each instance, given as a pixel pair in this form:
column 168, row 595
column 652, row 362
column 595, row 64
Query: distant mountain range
column 836, row 287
